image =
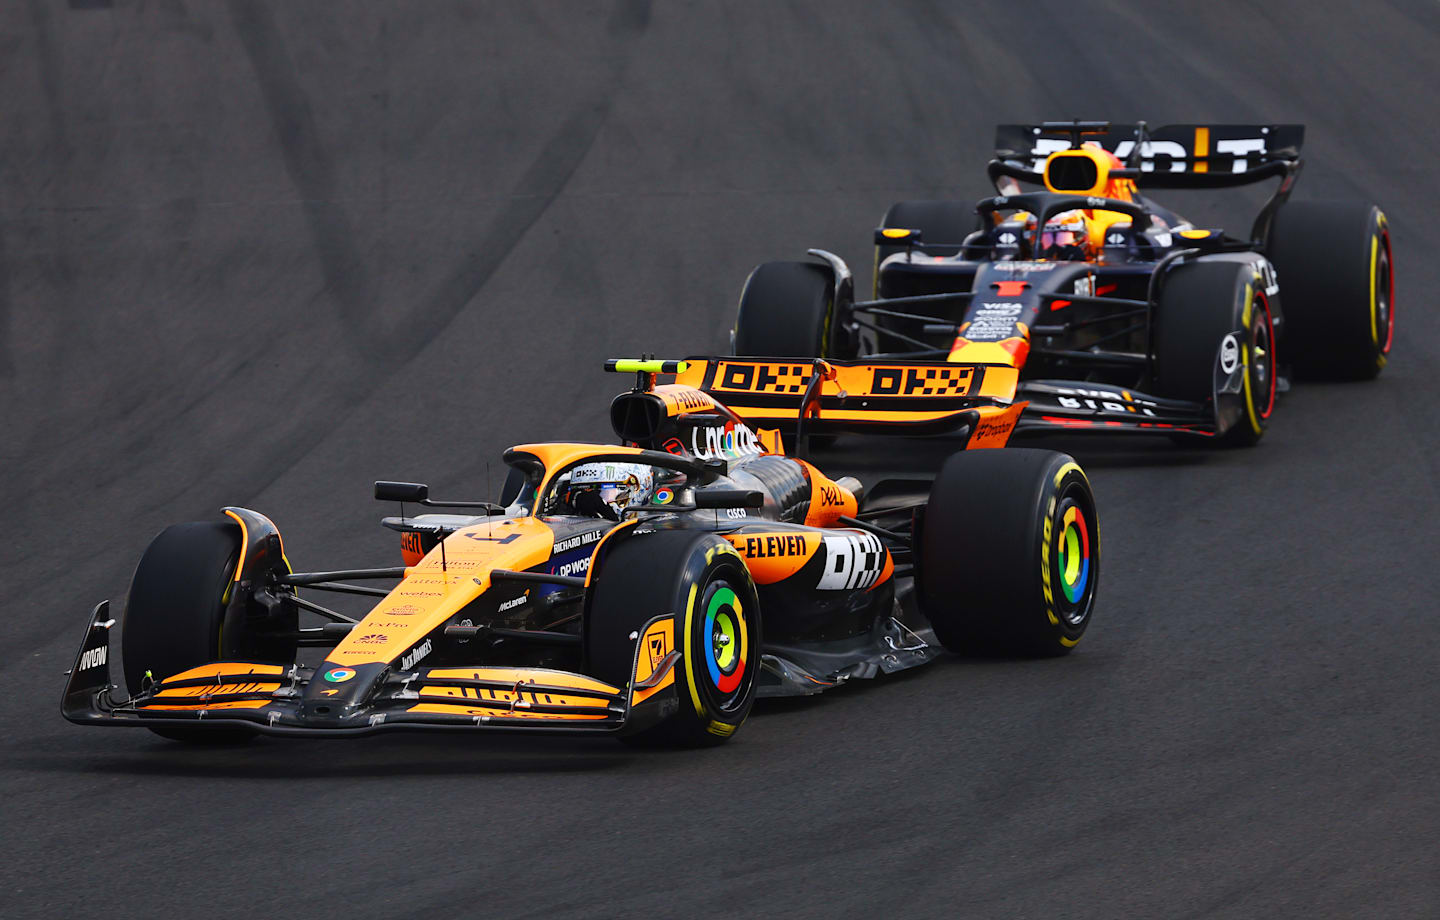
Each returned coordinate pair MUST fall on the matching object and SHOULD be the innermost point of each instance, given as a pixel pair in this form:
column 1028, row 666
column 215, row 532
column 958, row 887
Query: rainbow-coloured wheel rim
column 725, row 641
column 1073, row 554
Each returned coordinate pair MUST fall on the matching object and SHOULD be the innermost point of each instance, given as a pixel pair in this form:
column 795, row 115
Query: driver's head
column 605, row 489
column 1065, row 238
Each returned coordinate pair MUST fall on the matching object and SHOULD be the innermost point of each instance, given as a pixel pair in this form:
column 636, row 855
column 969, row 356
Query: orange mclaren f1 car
column 620, row 589
column 1121, row 315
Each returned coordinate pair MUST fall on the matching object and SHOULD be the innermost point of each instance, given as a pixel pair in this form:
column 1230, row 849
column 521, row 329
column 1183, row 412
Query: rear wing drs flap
column 1173, row 156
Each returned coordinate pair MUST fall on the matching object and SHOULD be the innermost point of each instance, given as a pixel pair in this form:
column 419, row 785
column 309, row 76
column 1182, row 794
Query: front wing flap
column 280, row 700
column 1063, row 406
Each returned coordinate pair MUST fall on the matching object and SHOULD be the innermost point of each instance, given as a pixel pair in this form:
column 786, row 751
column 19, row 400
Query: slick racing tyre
column 1212, row 318
column 787, row 310
column 175, row 615
column 1008, row 557
column 943, row 226
column 703, row 582
column 1333, row 264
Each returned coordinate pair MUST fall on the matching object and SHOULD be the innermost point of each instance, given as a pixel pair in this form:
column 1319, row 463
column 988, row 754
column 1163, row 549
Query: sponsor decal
column 993, row 321
column 484, row 537
column 1109, row 400
column 663, row 496
column 1024, row 267
column 1229, row 354
column 924, row 381
column 690, row 399
column 577, row 567
column 1085, row 286
column 373, row 639
column 1161, row 150
column 514, row 602
column 734, row 513
column 673, row 446
column 853, row 560
column 730, row 442
column 764, row 378
column 386, row 624
column 339, row 675
column 774, row 545
column 410, row 543
column 417, row 654
column 830, row 497
column 404, row 610
column 994, row 428
column 583, row 539
column 331, row 692
column 93, row 658
column 1007, row 239
column 657, row 645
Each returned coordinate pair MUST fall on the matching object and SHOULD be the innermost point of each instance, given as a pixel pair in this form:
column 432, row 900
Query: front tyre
column 703, row 582
column 788, row 310
column 176, row 610
column 1213, row 320
column 1009, row 553
column 1333, row 263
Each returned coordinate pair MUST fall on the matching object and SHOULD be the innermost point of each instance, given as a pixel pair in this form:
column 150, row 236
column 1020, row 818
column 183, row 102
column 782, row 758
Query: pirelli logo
column 922, row 381
column 764, row 378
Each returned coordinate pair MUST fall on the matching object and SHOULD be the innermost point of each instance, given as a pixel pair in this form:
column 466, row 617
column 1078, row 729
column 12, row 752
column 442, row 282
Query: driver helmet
column 1066, row 238
column 616, row 485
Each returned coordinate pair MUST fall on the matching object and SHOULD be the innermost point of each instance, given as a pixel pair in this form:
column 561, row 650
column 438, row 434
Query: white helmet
column 617, row 484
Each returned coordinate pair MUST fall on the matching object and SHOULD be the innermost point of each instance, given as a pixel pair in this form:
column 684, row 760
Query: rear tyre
column 1334, row 266
column 702, row 581
column 176, row 609
column 1009, row 553
column 787, row 310
column 1211, row 314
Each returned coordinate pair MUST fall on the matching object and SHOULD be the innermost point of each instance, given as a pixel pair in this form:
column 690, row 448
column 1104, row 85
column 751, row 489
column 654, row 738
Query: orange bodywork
column 267, row 680
column 773, row 557
column 657, row 643
column 518, row 677
column 429, row 595
column 829, row 501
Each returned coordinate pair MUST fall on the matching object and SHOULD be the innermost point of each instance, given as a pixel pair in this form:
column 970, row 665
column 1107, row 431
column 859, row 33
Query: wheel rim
column 1073, row 555
column 725, row 642
column 1262, row 355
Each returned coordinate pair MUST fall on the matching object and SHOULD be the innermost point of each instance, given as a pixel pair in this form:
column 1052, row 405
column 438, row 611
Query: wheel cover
column 725, row 643
column 1073, row 558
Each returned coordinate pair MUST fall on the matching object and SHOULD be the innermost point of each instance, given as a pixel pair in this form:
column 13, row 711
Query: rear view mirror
column 401, row 491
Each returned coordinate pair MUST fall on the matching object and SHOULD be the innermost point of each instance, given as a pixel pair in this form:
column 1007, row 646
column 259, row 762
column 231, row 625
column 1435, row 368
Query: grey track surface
column 263, row 253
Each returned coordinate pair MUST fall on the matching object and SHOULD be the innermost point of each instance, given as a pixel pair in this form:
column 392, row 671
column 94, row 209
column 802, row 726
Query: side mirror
column 894, row 236
column 729, row 498
column 401, row 491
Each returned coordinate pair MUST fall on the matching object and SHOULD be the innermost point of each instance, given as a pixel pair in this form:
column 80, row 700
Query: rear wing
column 1173, row 156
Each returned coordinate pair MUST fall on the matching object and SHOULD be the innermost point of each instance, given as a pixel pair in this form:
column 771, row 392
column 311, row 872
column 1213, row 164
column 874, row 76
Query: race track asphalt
column 263, row 253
